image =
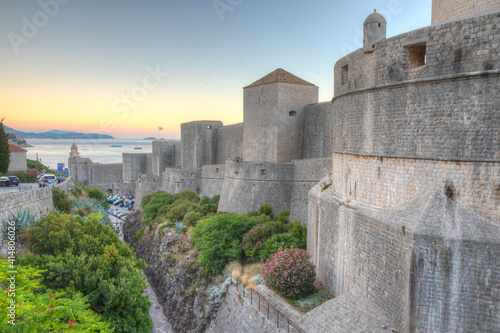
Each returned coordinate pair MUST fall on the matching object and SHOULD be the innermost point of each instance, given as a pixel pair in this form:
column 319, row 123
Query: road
column 20, row 187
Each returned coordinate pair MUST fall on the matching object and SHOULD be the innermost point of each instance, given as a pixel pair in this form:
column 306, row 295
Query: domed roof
column 375, row 18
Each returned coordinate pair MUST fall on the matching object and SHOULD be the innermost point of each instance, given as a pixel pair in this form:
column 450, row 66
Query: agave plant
column 178, row 227
column 93, row 206
column 22, row 220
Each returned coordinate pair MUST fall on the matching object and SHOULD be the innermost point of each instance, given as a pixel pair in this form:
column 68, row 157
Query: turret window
column 345, row 74
column 416, row 55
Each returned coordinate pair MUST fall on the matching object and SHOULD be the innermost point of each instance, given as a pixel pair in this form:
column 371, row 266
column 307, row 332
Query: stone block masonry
column 38, row 201
column 237, row 315
column 229, row 143
column 446, row 10
column 385, row 182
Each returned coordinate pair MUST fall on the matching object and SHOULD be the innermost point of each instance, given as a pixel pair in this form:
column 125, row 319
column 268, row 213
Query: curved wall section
column 458, row 47
column 248, row 185
column 385, row 182
column 445, row 10
column 443, row 120
column 446, row 109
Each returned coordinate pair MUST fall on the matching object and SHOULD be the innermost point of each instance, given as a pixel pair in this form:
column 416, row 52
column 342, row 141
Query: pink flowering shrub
column 290, row 273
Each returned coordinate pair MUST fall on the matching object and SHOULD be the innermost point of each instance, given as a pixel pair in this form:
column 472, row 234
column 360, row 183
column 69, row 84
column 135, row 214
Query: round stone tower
column 447, row 10
column 374, row 30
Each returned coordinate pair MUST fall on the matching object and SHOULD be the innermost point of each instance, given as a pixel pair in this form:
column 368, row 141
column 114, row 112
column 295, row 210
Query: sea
column 51, row 152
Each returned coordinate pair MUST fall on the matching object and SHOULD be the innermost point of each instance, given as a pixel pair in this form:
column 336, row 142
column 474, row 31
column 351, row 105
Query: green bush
column 252, row 213
column 83, row 255
column 179, row 208
column 253, row 239
column 138, row 235
column 158, row 200
column 191, row 218
column 61, row 200
column 45, row 311
column 272, row 244
column 283, row 217
column 262, row 219
column 188, row 195
column 290, row 273
column 95, row 193
column 300, row 232
column 219, row 239
column 209, row 205
column 24, row 177
column 32, row 164
column 266, row 209
column 55, row 234
column 145, row 199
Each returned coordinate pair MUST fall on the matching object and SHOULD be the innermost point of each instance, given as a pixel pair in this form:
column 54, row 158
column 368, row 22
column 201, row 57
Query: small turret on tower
column 374, row 30
column 74, row 151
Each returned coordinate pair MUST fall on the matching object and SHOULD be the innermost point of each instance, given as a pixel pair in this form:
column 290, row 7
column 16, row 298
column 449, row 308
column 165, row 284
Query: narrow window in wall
column 263, row 172
column 345, row 74
column 292, row 113
column 216, row 170
column 416, row 55
column 208, row 127
column 192, row 174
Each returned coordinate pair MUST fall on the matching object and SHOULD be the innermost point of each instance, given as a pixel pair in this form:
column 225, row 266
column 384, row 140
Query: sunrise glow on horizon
column 123, row 68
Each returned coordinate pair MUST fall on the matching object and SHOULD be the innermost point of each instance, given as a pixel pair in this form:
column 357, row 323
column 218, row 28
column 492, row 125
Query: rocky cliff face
column 189, row 299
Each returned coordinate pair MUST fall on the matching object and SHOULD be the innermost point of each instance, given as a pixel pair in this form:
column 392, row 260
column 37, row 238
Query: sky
column 125, row 68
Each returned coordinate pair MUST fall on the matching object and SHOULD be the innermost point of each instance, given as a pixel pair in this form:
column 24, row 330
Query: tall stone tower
column 199, row 142
column 374, row 30
column 74, row 151
column 273, row 117
column 447, row 10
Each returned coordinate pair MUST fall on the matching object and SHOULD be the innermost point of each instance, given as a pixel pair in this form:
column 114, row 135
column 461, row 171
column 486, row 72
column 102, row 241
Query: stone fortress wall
column 397, row 178
column 446, row 10
column 411, row 222
column 38, row 201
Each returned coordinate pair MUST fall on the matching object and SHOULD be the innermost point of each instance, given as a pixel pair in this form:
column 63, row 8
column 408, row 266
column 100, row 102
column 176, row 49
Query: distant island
column 153, row 138
column 57, row 134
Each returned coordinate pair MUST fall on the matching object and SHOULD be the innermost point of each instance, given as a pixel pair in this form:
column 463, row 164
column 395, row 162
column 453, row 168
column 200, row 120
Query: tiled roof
column 280, row 75
column 15, row 148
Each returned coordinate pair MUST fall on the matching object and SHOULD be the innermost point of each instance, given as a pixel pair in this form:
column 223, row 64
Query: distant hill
column 58, row 134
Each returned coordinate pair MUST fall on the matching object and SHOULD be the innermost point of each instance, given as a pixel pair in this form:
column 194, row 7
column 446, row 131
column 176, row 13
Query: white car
column 47, row 180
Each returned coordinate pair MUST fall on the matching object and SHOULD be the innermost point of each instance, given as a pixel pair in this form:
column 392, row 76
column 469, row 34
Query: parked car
column 47, row 180
column 118, row 202
column 14, row 180
column 60, row 179
column 4, row 181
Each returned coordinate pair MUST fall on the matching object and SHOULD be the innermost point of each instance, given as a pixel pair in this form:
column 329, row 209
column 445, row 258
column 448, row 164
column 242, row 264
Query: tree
column 4, row 150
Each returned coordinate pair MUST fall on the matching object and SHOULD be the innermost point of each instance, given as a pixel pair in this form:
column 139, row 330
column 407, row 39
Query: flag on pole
column 160, row 128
